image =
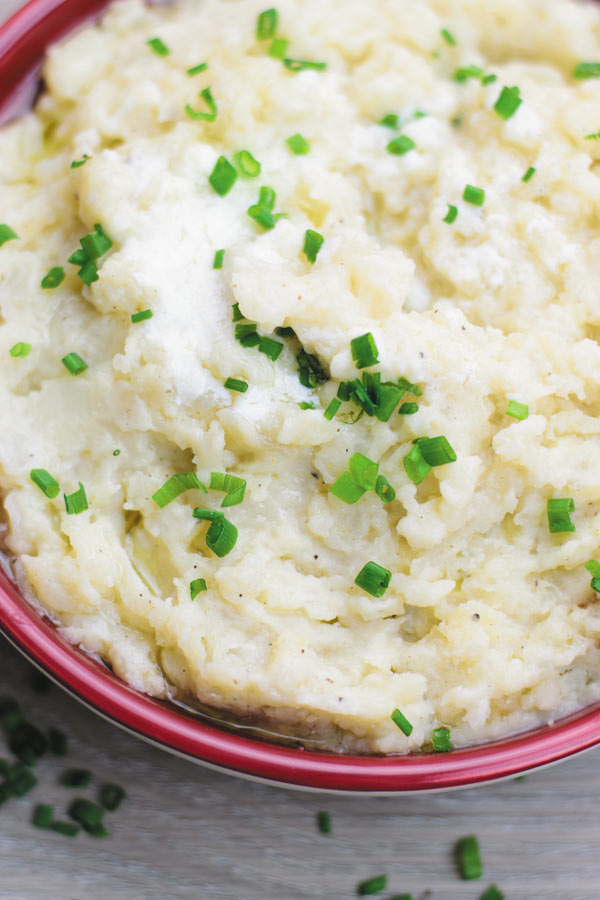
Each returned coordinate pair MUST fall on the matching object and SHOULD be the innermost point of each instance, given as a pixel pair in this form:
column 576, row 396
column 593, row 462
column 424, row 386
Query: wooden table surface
column 186, row 832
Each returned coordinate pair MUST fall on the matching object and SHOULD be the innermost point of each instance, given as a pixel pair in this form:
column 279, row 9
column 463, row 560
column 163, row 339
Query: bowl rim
column 23, row 40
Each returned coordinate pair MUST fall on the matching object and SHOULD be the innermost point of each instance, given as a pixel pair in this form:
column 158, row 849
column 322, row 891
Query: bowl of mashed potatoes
column 300, row 379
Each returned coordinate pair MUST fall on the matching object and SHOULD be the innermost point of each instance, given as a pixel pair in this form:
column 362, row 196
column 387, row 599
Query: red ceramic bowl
column 23, row 41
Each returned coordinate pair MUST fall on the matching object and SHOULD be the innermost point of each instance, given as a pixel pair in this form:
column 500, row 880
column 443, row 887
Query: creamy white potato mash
column 476, row 277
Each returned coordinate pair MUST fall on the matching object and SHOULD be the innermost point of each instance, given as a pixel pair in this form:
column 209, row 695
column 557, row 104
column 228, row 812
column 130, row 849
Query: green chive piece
column 218, row 260
column 390, row 121
column 201, row 115
column 411, row 388
column 53, row 278
column 89, row 272
column 10, row 714
column 43, row 815
column 236, row 384
column 221, row 536
column 111, row 796
column 373, row 579
column 436, row 451
column 262, row 216
column 364, row 351
column 197, row 586
column 298, row 144
column 363, row 471
column 176, row 485
column 158, row 46
column 7, row 234
column 448, row 37
column 384, row 490
column 408, row 409
column 233, row 486
column 77, row 502
column 464, row 73
column 69, row 829
column 266, row 24
column 508, row 102
column 46, row 483
column 402, row 722
column 78, row 163
column 95, row 244
column 324, row 822
column 492, row 893
column 278, row 48
column 116, row 452
column 298, row 65
column 267, row 197
column 245, row 329
column 587, row 70
column 89, row 815
column 451, row 215
column 223, row 176
column 20, row 349
column 208, row 515
column 415, row 466
column 74, row 363
column 304, row 404
column 372, row 886
column 313, row 241
column 517, row 410
column 76, row 778
column 528, row 174
column 58, row 742
column 468, row 858
column 195, row 70
column 270, row 347
column 474, row 195
column 347, row 489
column 440, row 738
column 593, row 568
column 236, row 313
column 247, row 164
column 18, row 779
column 401, row 145
column 558, row 510
column 332, row 409
column 285, row 331
column 311, row 372
column 140, row 316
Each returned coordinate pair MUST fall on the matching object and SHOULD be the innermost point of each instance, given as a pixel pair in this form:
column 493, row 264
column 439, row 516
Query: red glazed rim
column 23, row 40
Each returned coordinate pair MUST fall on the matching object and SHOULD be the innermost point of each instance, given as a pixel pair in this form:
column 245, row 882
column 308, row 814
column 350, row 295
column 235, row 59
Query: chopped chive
column 77, row 502
column 69, row 829
column 298, row 144
column 111, row 796
column 415, row 466
column 448, row 37
column 517, row 410
column 508, row 102
column 558, row 510
column 18, row 780
column 236, row 313
column 43, row 815
column 233, row 486
column 57, row 740
column 262, row 216
column 436, row 451
column 411, row 388
column 76, row 778
column 474, row 195
column 116, row 452
column 401, row 145
column 202, row 115
column 389, row 397
column 492, row 893
column 46, row 483
column 451, row 215
column 247, row 164
column 74, row 363
column 267, row 197
column 140, row 316
column 87, row 814
column 208, row 515
column 195, row 70
column 468, row 858
column 278, row 48
column 297, row 65
column 20, row 349
column 266, row 24
column 440, row 738
column 53, row 278
column 390, row 121
column 304, row 404
column 311, row 372
column 363, row 471
column 361, row 398
column 236, row 384
column 176, row 485
column 384, row 489
column 89, row 272
column 408, row 409
column 313, row 241
column 345, row 488
column 7, row 234
column 464, row 73
column 587, row 70
column 78, row 163
column 245, row 329
column 332, row 409
column 373, row 579
column 96, row 243
column 221, row 536
column 218, row 260
column 285, row 331
column 372, row 885
column 197, row 586
column 223, row 176
column 324, row 822
column 402, row 722
column 10, row 714
column 528, row 174
column 270, row 347
column 158, row 46
column 364, row 351
column 593, row 568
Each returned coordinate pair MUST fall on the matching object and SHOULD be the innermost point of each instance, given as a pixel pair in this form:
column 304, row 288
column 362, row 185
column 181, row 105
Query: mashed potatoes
column 488, row 625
